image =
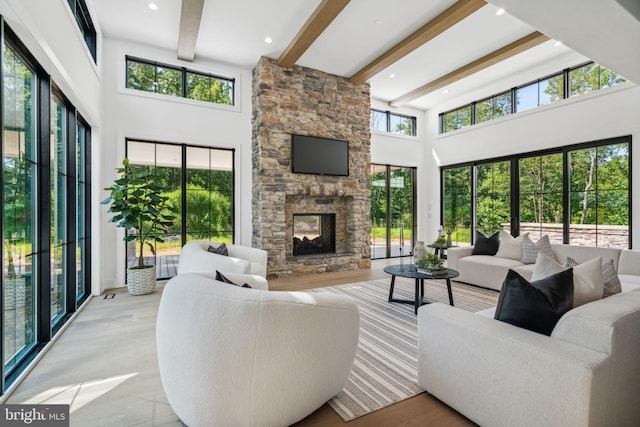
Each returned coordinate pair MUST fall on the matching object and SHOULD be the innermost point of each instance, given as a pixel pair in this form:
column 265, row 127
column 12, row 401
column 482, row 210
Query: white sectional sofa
column 490, row 271
column 586, row 373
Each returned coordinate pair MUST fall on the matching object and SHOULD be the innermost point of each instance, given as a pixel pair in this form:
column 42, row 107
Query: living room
column 118, row 115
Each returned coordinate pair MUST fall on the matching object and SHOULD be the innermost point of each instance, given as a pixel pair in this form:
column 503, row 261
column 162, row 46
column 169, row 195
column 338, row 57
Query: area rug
column 385, row 368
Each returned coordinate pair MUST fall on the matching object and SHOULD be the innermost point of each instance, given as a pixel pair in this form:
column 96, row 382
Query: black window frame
column 565, row 95
column 80, row 11
column 388, row 114
column 45, row 327
column 184, row 71
column 515, row 183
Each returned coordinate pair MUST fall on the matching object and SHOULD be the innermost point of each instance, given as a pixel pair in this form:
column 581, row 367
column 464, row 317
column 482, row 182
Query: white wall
column 134, row 114
column 599, row 115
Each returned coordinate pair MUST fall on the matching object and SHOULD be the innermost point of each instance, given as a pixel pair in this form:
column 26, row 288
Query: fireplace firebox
column 314, row 234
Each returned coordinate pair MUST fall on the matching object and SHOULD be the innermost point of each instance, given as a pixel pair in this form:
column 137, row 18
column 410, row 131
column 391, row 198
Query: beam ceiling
column 427, row 32
column 505, row 52
column 322, row 17
column 190, row 17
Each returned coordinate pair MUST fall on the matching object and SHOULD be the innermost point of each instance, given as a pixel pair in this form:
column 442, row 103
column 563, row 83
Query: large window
column 578, row 194
column 199, row 184
column 19, row 203
column 386, row 121
column 582, row 79
column 150, row 76
column 45, row 277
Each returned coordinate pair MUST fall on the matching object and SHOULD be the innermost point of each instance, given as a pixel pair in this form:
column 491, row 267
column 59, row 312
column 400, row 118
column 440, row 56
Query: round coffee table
column 410, row 271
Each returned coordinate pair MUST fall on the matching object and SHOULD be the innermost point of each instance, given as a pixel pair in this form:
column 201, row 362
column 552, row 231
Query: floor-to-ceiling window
column 19, row 203
column 44, row 277
column 578, row 194
column 393, row 199
column 199, row 184
column 456, row 204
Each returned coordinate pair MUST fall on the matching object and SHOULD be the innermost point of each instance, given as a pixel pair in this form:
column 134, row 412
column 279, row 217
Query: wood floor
column 420, row 410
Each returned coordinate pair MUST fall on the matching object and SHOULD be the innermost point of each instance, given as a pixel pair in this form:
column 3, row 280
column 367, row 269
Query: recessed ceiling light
column 378, row 22
column 152, row 6
column 392, row 76
column 557, row 43
column 445, row 91
column 268, row 40
column 500, row 12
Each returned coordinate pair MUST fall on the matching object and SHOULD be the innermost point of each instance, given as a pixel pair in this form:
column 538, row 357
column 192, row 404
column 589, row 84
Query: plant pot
column 141, row 281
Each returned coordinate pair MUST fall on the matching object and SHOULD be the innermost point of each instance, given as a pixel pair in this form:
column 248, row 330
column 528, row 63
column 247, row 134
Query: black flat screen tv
column 319, row 156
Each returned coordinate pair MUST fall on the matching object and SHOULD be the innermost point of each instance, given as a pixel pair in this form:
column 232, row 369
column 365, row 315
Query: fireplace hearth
column 314, row 234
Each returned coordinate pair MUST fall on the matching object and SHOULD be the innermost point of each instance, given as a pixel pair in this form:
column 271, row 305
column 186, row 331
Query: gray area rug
column 385, row 368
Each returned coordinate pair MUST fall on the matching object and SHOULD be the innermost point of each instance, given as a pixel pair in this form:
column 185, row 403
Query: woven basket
column 141, row 281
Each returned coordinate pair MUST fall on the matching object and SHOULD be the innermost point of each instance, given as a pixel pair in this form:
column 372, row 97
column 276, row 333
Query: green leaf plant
column 137, row 203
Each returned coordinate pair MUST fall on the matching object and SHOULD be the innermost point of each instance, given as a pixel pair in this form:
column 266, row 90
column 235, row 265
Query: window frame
column 388, row 114
column 80, row 11
column 514, row 95
column 184, row 71
column 515, row 183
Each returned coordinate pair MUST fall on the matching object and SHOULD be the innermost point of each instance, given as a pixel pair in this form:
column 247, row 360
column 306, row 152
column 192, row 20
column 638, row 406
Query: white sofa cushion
column 629, row 282
column 510, row 247
column 485, row 270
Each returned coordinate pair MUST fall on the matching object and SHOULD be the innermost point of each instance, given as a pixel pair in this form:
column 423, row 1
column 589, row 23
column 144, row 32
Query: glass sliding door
column 82, row 202
column 58, row 169
column 392, row 211
column 378, row 211
column 457, row 204
column 493, row 197
column 165, row 162
column 199, row 184
column 599, row 196
column 541, row 192
column 209, row 194
column 19, row 197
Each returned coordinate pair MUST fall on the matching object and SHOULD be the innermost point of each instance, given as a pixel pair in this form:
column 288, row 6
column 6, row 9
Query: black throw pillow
column 220, row 250
column 538, row 305
column 221, row 277
column 484, row 245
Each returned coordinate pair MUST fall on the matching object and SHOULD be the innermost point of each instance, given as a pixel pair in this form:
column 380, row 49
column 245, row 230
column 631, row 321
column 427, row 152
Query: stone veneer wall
column 304, row 101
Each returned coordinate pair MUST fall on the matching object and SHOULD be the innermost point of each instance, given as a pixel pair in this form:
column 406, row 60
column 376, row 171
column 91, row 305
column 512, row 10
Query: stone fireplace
column 304, row 101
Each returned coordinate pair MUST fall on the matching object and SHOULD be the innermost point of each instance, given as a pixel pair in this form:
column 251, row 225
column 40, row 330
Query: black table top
column 410, row 271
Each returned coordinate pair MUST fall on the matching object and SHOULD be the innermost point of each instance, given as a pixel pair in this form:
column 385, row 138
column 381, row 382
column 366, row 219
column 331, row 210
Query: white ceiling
column 234, row 31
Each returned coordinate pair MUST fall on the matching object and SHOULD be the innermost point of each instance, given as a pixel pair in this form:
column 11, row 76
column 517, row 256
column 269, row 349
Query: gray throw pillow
column 530, row 249
column 220, row 250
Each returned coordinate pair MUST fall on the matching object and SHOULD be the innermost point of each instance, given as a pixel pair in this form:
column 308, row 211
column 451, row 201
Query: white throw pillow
column 587, row 281
column 530, row 249
column 545, row 267
column 510, row 247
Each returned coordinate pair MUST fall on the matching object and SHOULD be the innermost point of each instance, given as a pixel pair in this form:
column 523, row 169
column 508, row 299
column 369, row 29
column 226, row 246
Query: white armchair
column 195, row 258
column 230, row 356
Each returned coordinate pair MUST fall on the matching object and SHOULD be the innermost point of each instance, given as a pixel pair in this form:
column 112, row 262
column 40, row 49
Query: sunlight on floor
column 80, row 394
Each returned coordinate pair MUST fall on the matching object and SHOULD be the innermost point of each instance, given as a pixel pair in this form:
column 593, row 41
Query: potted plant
column 431, row 264
column 137, row 204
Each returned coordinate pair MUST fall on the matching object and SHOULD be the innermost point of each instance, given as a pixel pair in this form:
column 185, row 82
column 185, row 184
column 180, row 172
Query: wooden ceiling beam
column 190, row 17
column 324, row 14
column 486, row 61
column 427, row 32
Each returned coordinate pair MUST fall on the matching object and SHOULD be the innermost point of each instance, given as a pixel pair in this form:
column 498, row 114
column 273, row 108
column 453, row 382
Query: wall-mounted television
column 319, row 156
